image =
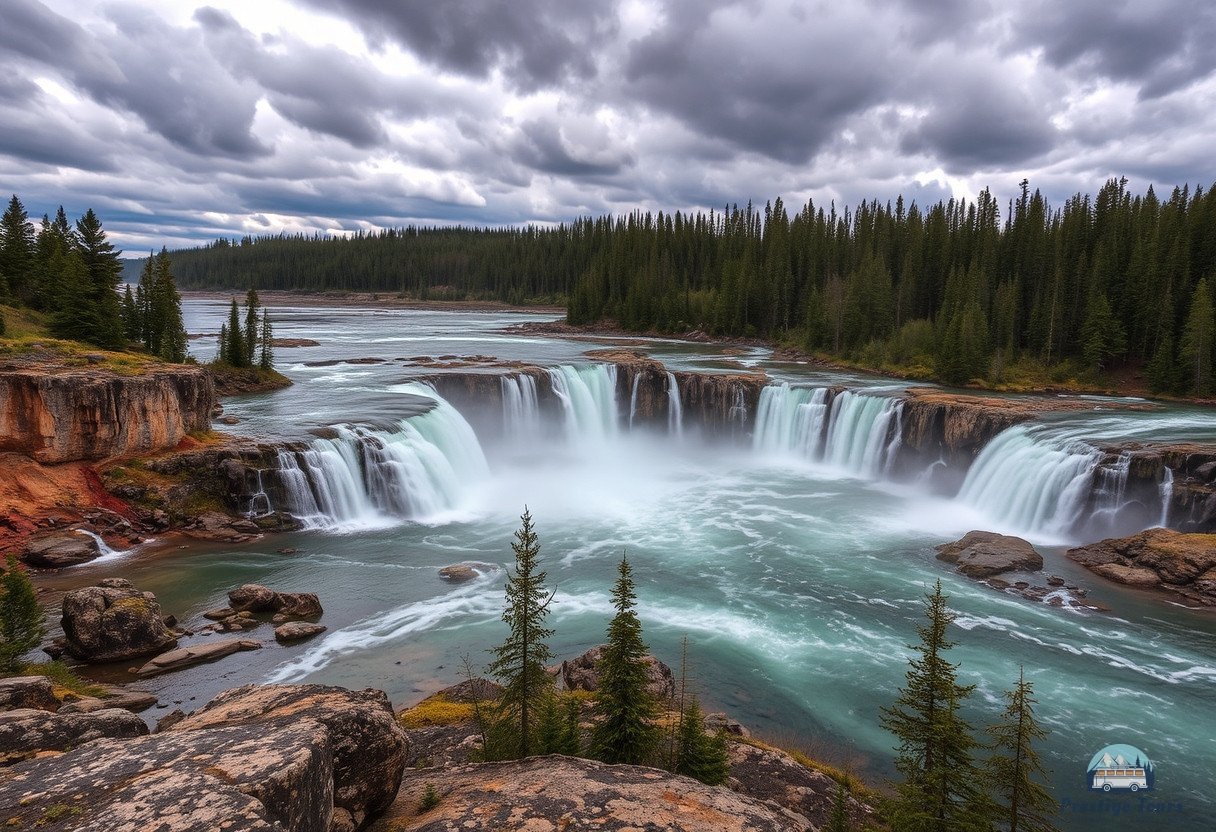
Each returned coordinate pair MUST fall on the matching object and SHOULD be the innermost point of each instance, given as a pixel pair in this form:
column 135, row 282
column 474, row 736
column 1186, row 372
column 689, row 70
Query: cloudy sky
column 181, row 121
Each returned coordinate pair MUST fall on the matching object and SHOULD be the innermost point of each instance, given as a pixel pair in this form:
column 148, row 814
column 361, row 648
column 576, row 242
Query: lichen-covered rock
column 208, row 651
column 1183, row 564
column 773, row 776
column 551, row 794
column 369, row 747
column 29, row 731
column 60, row 548
column 27, row 692
column 247, row 777
column 113, row 621
column 984, row 554
column 583, row 674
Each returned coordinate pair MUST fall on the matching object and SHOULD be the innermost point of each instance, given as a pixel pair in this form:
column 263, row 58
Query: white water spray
column 675, row 412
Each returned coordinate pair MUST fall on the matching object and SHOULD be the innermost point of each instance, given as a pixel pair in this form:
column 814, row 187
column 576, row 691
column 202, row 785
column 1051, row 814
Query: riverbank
column 346, row 300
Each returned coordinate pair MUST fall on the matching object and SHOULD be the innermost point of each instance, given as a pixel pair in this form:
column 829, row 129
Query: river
column 797, row 573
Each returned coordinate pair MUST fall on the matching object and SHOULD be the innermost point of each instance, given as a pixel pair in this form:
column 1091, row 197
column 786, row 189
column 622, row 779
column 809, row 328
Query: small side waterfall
column 854, row 432
column 588, row 401
column 1167, row 495
column 363, row 477
column 259, row 500
column 675, row 413
column 104, row 551
column 520, row 412
column 633, row 398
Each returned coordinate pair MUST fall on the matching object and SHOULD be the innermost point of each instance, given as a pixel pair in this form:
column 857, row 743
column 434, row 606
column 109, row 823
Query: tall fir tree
column 252, row 304
column 625, row 732
column 1198, row 339
column 171, row 340
column 941, row 786
column 266, row 341
column 1015, row 771
column 519, row 662
column 104, row 266
column 699, row 754
column 21, row 626
column 233, row 350
column 16, row 249
column 1102, row 336
column 132, row 324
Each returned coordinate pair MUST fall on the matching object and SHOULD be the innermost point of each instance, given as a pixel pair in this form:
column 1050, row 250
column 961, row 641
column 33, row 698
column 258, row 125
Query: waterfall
column 104, row 551
column 675, row 413
column 633, row 398
column 1167, row 495
column 259, row 501
column 588, row 401
column 854, row 432
column 1032, row 480
column 738, row 408
column 520, row 413
column 363, row 477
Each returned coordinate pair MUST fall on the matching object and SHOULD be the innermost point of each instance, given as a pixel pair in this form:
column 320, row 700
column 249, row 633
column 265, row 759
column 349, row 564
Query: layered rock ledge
column 1182, row 565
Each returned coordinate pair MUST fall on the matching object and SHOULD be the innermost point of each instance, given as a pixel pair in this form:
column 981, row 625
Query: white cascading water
column 588, row 400
column 1033, row 480
column 633, row 398
column 855, row 432
column 521, row 414
column 364, row 477
column 675, row 411
column 259, row 501
column 1167, row 496
column 104, row 551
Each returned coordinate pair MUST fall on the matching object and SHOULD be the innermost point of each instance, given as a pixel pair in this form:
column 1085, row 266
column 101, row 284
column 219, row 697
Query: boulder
column 248, row 777
column 1183, row 564
column 774, row 777
column 261, row 599
column 369, row 747
column 28, row 731
column 554, row 793
column 722, row 722
column 60, row 548
column 219, row 614
column 458, row 573
column 22, row 692
column 195, row 654
column 583, row 674
column 472, row 690
column 984, row 554
column 113, row 697
column 298, row 631
column 112, row 622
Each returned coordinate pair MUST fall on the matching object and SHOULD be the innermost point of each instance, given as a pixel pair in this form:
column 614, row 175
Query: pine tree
column 171, row 341
column 104, row 266
column 21, row 626
column 838, row 821
column 940, row 789
column 251, row 326
column 519, row 663
column 700, row 755
column 1102, row 335
column 16, row 249
column 625, row 733
column 1023, row 804
column 570, row 740
column 1162, row 370
column 233, row 350
column 131, row 323
column 266, row 358
column 75, row 315
column 1197, row 340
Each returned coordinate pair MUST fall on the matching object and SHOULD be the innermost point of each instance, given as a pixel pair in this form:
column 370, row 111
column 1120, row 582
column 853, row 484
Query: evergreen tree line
column 945, row 785
column 629, row 725
column 71, row 272
column 952, row 290
column 251, row 343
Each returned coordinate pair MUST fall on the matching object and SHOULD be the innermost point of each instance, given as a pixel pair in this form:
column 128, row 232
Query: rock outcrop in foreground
column 114, row 621
column 550, row 794
column 300, row 758
column 1158, row 559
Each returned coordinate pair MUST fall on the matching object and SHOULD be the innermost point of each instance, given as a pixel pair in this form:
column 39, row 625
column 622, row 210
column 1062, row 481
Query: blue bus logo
column 1120, row 768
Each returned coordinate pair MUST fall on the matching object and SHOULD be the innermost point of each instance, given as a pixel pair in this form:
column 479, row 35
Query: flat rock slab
column 196, row 654
column 237, row 778
column 984, row 554
column 26, row 732
column 57, row 549
column 549, row 794
column 298, row 631
column 773, row 776
column 1157, row 559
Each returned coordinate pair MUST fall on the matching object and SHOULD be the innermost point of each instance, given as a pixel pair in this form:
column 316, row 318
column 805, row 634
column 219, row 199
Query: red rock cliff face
column 93, row 414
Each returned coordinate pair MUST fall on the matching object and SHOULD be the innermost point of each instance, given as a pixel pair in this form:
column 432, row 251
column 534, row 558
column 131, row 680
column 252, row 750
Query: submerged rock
column 113, row 621
column 195, row 654
column 984, row 554
column 1161, row 559
column 458, row 573
column 583, row 674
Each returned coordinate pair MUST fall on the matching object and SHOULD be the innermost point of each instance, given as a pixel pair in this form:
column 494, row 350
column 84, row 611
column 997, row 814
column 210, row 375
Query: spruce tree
column 234, row 351
column 625, row 733
column 75, row 316
column 1102, row 335
column 131, row 324
column 570, row 740
column 519, row 662
column 1197, row 340
column 21, row 626
column 104, row 266
column 838, row 820
column 700, row 755
column 940, row 790
column 251, row 326
column 266, row 357
column 171, row 341
column 1023, row 803
column 16, row 248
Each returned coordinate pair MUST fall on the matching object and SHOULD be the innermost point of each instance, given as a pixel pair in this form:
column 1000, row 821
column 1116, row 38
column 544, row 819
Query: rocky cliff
column 58, row 414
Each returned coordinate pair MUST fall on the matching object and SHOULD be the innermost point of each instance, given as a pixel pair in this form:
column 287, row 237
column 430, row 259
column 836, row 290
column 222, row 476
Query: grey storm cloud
column 184, row 119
